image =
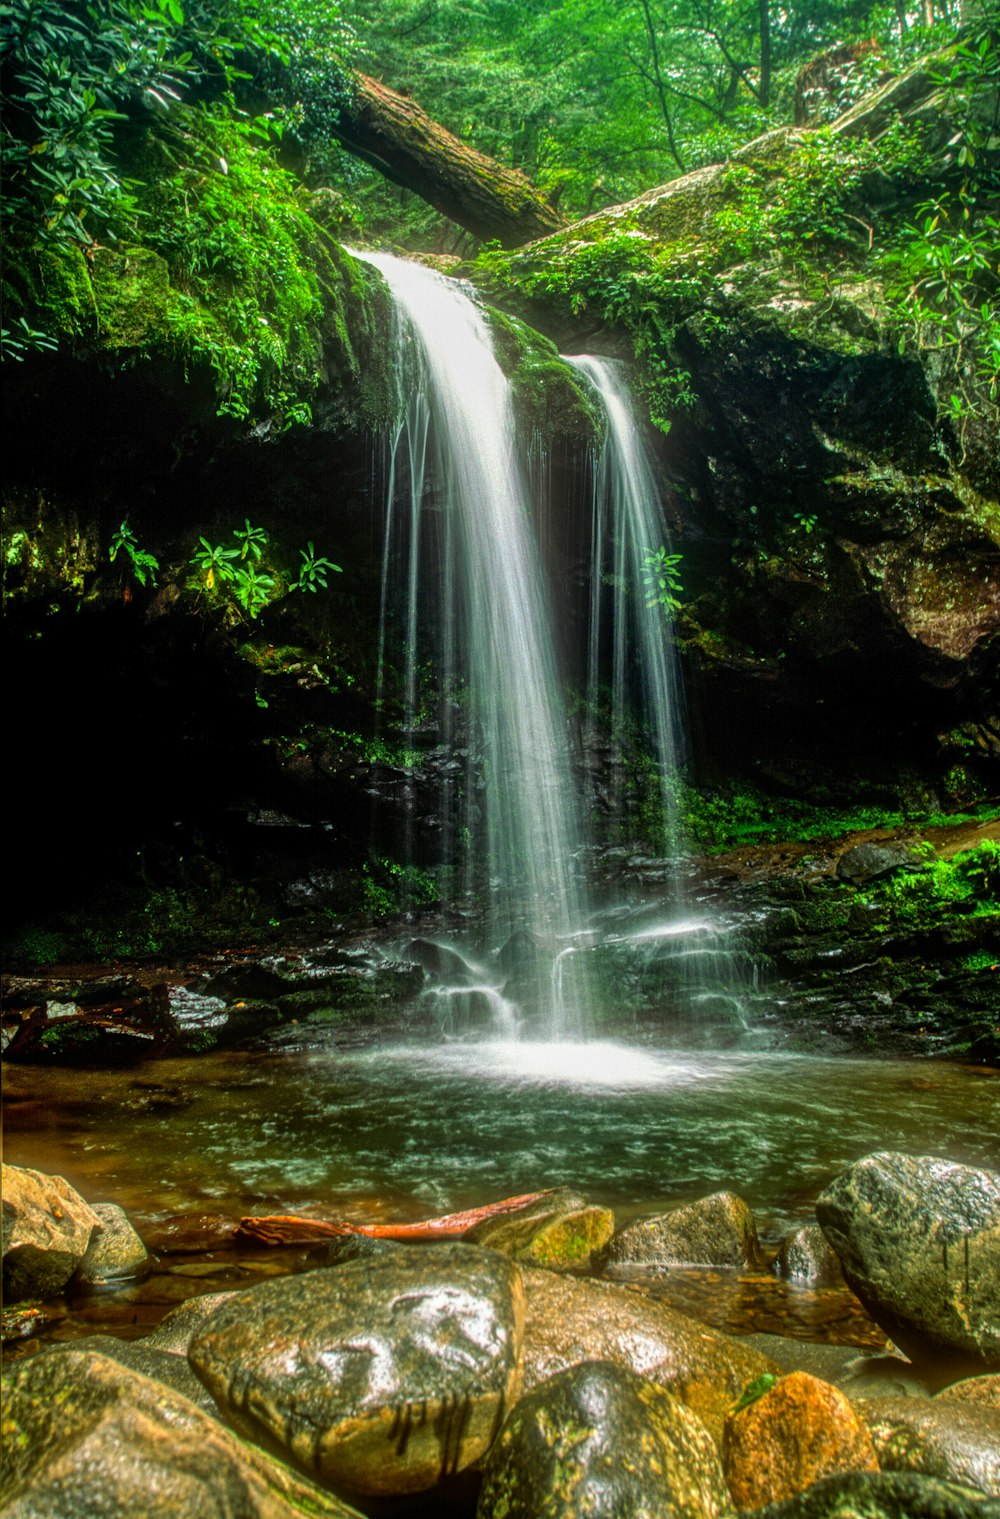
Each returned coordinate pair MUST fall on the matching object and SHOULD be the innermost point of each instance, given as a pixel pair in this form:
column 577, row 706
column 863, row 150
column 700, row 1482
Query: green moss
column 550, row 397
column 132, row 294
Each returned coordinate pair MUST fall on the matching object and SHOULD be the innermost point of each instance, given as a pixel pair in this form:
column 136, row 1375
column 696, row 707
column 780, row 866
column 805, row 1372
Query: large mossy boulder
column 86, row 1436
column 47, row 1228
column 385, row 1376
column 919, row 1242
column 599, row 1441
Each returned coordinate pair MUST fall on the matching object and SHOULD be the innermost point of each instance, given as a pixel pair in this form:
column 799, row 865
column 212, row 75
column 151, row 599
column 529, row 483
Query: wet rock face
column 883, row 1495
column 570, row 1321
column 47, row 1228
column 714, row 1231
column 797, row 1432
column 116, row 1254
column 919, row 1242
column 951, row 1439
column 599, row 1440
column 382, row 1375
column 562, row 1232
column 84, row 1435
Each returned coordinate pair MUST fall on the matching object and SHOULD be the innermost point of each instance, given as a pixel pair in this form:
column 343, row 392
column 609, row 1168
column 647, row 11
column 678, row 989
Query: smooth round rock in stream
column 808, row 1256
column 116, row 1254
column 561, row 1231
column 954, row 1440
column 384, row 1375
column 46, row 1230
column 919, row 1243
column 794, row 1433
column 599, row 1441
column 882, row 1495
column 84, row 1436
column 570, row 1320
column 714, row 1231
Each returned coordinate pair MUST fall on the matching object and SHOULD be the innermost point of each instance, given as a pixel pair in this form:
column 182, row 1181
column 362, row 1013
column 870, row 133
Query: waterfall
column 627, row 527
column 471, row 560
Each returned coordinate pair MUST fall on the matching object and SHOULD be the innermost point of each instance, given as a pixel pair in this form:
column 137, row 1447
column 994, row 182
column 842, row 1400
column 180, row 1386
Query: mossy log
column 392, row 133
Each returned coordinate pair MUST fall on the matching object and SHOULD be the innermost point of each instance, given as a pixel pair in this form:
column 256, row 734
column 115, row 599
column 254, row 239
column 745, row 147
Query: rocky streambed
column 525, row 1368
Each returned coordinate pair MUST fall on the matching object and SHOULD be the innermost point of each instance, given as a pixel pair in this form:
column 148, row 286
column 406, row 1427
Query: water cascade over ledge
column 465, row 592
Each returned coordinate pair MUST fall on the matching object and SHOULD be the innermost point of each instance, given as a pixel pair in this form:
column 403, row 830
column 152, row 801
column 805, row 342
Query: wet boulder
column 47, row 1228
column 882, row 1495
column 982, row 1391
column 793, row 1433
column 561, row 1231
column 384, row 1376
column 84, row 1435
column 150, row 1361
column 919, row 1242
column 954, row 1440
column 174, row 1332
column 116, row 1254
column 570, row 1320
column 599, row 1440
column 714, row 1231
column 873, row 862
column 807, row 1256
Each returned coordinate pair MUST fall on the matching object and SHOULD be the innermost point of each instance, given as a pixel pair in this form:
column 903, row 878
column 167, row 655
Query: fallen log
column 393, row 134
column 288, row 1229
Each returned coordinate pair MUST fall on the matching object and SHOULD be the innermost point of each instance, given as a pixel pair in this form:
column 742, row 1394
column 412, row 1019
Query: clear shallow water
column 404, row 1131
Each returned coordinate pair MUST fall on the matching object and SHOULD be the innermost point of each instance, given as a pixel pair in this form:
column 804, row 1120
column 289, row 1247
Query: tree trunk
column 392, row 133
column 765, row 53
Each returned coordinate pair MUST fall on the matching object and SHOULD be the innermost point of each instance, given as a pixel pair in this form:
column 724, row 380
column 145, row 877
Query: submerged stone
column 383, row 1375
column 919, row 1242
column 599, row 1441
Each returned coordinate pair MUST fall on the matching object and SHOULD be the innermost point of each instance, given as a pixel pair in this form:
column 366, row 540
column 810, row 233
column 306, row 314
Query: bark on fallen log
column 391, row 132
column 287, row 1229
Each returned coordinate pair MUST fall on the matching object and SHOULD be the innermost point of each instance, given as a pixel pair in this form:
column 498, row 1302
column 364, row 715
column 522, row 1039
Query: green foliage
column 137, row 562
column 662, row 579
column 968, row 883
column 313, row 570
column 754, row 1390
column 242, row 573
column 390, row 887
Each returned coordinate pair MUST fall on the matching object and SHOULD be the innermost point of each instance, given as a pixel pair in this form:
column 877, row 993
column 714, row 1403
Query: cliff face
column 832, row 466
column 836, row 510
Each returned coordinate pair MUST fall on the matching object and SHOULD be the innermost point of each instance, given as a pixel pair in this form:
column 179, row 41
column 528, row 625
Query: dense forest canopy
column 199, row 131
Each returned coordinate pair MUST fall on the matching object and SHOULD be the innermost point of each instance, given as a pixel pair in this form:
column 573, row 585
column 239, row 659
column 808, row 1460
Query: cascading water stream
column 627, row 528
column 470, row 529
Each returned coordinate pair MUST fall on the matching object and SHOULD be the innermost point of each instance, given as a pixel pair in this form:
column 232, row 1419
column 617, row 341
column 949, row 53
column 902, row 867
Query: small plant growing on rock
column 662, row 579
column 214, row 561
column 136, row 562
column 313, row 570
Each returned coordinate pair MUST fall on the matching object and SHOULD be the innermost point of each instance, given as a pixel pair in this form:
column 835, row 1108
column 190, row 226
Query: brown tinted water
column 403, row 1132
